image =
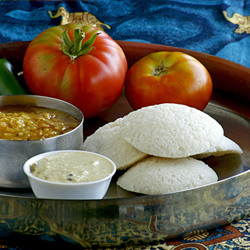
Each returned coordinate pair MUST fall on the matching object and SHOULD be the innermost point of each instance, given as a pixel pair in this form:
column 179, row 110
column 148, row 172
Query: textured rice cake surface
column 157, row 175
column 108, row 142
column 171, row 130
column 226, row 146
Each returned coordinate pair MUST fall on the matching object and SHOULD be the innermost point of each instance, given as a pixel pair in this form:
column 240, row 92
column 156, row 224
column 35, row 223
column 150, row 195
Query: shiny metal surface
column 13, row 154
column 126, row 219
column 235, row 126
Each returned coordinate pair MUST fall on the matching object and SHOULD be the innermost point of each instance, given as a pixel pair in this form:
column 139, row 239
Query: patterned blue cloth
column 181, row 23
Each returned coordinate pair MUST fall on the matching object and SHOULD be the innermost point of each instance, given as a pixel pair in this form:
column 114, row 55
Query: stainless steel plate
column 236, row 127
column 127, row 219
column 124, row 217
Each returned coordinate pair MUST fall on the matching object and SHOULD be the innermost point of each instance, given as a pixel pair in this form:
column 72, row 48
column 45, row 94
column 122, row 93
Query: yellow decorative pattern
column 242, row 21
column 84, row 18
column 196, row 235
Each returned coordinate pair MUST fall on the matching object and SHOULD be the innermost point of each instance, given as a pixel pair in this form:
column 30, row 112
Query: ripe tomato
column 168, row 77
column 92, row 81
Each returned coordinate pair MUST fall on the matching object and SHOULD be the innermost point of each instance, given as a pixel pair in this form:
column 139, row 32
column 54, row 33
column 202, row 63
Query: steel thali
column 124, row 218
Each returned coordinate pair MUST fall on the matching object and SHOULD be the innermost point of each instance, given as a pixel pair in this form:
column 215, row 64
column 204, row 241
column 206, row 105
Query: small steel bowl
column 46, row 189
column 13, row 154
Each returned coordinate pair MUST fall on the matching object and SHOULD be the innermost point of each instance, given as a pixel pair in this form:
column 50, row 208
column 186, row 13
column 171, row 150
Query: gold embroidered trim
column 242, row 21
column 84, row 18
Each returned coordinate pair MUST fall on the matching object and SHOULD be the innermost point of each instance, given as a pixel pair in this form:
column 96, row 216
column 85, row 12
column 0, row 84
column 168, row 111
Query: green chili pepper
column 9, row 85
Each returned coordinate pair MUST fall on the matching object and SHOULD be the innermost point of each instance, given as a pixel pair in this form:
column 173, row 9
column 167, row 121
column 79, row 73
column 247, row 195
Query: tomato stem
column 77, row 48
column 160, row 70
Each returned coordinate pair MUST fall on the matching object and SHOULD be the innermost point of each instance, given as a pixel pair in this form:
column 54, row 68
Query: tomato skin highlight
column 186, row 81
column 92, row 82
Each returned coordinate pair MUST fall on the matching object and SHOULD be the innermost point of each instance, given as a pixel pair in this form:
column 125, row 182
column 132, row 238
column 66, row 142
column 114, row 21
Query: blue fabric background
column 181, row 23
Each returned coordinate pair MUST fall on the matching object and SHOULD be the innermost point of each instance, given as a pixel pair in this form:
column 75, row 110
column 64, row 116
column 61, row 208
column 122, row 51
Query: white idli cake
column 171, row 130
column 226, row 146
column 107, row 141
column 157, row 175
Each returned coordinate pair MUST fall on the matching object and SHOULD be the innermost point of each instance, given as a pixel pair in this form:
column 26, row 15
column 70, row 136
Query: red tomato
column 92, row 82
column 168, row 77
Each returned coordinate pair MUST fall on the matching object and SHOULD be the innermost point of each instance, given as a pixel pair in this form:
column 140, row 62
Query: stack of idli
column 160, row 148
column 108, row 141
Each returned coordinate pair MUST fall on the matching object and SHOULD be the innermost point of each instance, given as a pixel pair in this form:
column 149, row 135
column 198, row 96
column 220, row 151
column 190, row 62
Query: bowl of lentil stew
column 31, row 125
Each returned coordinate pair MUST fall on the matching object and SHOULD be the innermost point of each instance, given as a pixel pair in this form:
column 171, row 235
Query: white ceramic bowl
column 56, row 190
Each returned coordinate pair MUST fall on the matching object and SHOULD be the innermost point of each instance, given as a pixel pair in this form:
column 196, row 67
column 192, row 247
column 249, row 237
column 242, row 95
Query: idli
column 157, row 175
column 171, row 130
column 107, row 141
column 226, row 146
